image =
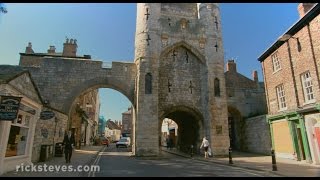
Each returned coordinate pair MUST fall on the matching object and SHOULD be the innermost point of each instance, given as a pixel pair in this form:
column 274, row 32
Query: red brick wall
column 301, row 61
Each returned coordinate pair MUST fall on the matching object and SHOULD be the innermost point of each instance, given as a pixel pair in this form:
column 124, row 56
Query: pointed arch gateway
column 190, row 123
column 181, row 84
column 188, row 47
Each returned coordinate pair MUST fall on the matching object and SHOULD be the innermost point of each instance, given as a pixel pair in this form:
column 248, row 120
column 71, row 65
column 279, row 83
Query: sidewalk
column 80, row 157
column 285, row 167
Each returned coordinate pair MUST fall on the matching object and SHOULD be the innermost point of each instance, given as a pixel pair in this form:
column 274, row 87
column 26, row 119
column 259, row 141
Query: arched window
column 216, row 87
column 148, row 83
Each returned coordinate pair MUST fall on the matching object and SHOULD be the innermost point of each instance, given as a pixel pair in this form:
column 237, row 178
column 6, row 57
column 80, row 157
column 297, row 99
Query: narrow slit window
column 216, row 87
column 148, row 83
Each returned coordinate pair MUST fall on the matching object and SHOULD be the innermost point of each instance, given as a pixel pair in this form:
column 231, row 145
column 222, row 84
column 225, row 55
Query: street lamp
column 285, row 37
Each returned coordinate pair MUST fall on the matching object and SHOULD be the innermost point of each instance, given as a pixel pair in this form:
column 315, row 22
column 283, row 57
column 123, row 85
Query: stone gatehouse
column 177, row 73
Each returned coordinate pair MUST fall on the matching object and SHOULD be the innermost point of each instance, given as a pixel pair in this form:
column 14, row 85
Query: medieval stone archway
column 236, row 127
column 96, row 84
column 190, row 126
column 180, row 72
column 81, row 115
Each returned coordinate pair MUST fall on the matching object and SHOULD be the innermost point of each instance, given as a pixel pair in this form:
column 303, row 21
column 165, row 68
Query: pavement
column 285, row 167
column 80, row 157
column 87, row 155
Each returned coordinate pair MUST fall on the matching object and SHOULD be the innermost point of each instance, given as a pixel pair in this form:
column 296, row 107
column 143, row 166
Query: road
column 118, row 162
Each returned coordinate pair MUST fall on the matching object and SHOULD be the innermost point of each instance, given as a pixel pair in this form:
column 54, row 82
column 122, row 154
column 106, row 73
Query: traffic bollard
column 274, row 163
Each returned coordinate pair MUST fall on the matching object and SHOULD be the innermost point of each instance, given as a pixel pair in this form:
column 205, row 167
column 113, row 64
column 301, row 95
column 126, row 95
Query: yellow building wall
column 282, row 137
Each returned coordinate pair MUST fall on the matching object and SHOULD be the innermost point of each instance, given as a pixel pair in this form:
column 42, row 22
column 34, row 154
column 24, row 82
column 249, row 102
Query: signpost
column 9, row 107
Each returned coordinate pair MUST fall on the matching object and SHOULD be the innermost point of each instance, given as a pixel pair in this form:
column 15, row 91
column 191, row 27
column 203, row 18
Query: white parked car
column 123, row 142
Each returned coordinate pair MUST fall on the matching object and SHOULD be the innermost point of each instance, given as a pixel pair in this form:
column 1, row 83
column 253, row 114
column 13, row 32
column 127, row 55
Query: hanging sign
column 45, row 115
column 9, row 107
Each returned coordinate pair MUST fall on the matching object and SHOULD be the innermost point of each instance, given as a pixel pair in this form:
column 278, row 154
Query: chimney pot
column 255, row 76
column 303, row 8
column 29, row 49
column 51, row 50
column 69, row 49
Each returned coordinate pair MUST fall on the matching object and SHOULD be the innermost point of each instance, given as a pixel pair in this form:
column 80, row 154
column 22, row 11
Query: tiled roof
column 9, row 72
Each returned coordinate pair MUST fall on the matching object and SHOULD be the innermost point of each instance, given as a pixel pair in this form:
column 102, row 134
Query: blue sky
column 106, row 31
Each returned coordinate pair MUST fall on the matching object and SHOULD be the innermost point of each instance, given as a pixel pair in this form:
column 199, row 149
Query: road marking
column 96, row 161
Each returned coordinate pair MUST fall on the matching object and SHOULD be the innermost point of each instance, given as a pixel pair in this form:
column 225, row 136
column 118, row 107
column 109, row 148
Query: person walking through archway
column 205, row 145
column 69, row 143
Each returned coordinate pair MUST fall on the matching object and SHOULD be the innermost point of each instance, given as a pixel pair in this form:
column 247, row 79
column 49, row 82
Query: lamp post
column 88, row 106
column 56, row 120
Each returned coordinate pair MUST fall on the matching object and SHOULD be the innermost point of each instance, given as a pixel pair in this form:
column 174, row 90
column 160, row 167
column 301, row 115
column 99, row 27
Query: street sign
column 9, row 107
column 45, row 115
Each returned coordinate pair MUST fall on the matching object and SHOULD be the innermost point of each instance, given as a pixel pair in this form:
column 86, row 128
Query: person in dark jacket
column 69, row 143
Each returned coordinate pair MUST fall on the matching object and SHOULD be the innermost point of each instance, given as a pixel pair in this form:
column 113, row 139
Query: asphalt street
column 118, row 162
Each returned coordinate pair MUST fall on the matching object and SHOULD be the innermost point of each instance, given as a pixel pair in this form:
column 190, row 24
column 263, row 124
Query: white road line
column 96, row 161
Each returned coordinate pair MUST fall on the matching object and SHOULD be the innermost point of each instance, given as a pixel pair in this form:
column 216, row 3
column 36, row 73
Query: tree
column 3, row 9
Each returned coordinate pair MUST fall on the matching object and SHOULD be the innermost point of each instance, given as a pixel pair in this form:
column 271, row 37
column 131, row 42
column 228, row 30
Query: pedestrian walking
column 205, row 145
column 68, row 143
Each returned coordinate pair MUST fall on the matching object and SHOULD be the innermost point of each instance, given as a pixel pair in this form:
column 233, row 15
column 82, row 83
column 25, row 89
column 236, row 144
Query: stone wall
column 45, row 131
column 60, row 80
column 258, row 138
column 164, row 40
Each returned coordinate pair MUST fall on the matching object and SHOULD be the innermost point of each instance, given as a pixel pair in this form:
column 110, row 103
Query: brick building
column 291, row 76
column 112, row 131
column 127, row 122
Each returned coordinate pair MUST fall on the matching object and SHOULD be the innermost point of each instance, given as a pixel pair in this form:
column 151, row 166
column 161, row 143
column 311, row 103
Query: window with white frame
column 18, row 136
column 281, row 97
column 307, row 86
column 275, row 62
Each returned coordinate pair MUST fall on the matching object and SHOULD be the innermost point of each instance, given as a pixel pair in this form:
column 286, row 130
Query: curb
column 219, row 162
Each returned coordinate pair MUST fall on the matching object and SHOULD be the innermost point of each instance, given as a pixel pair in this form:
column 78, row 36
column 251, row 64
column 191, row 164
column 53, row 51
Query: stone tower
column 180, row 75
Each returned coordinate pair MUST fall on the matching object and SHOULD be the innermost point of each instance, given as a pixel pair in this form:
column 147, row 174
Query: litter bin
column 44, row 153
column 58, row 150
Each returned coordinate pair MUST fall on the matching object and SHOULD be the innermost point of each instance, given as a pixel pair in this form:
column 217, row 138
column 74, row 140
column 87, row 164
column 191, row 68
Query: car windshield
column 123, row 140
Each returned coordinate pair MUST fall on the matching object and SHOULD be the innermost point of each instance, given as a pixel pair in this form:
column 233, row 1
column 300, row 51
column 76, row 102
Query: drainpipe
column 293, row 75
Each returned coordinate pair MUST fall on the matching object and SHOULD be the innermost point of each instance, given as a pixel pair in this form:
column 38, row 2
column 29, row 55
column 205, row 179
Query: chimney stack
column 51, row 50
column 303, row 8
column 255, row 76
column 29, row 49
column 70, row 48
column 231, row 66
